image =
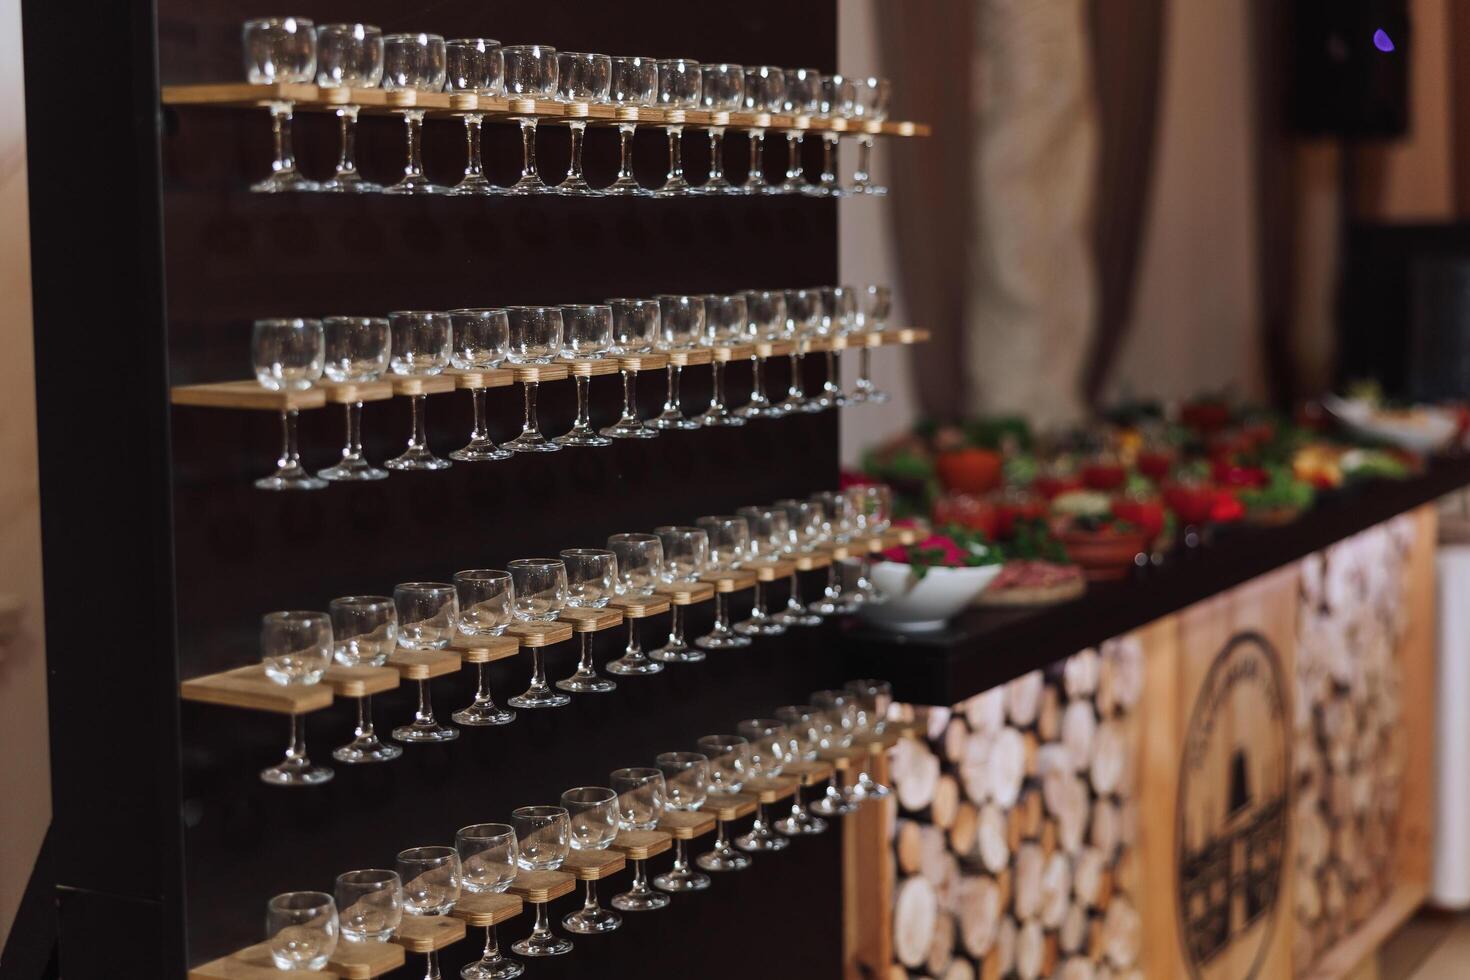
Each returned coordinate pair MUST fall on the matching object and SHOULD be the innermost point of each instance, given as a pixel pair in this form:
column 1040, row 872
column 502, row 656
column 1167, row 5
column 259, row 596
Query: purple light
column 1382, row 41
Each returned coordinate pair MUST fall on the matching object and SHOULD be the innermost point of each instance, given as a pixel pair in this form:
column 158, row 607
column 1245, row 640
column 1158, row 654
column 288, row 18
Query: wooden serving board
column 248, row 687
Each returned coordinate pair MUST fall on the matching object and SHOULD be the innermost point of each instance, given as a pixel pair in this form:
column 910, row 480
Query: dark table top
column 984, row 647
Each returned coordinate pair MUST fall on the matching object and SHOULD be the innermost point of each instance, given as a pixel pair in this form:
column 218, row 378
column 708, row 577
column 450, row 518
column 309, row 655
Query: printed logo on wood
column 1232, row 812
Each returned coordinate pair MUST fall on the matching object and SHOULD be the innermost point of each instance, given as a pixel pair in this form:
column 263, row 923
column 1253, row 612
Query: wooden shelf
column 640, row 608
column 532, row 635
column 422, row 665
column 812, row 560
column 351, row 392
column 423, row 384
column 350, row 961
column 733, row 352
column 362, row 961
column 841, row 759
column 542, row 886
column 310, row 98
column 729, row 806
column 248, row 687
column 584, row 620
column 686, row 824
column 687, row 593
column 426, row 933
column 248, row 395
column 633, row 363
column 691, row 357
column 810, row 772
column 769, row 789
column 360, row 682
column 591, row 367
column 594, row 865
column 772, row 571
column 486, row 378
column 485, row 910
column 640, row 845
column 485, row 649
column 773, row 348
column 730, row 581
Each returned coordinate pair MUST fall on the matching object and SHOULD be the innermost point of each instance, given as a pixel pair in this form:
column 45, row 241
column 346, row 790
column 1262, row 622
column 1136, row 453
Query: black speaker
column 1350, row 68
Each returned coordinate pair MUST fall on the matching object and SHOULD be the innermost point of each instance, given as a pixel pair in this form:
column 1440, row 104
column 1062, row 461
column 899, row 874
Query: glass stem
column 625, row 151
column 758, row 385
column 542, row 928
column 796, row 389
column 473, row 165
column 423, row 716
column 635, row 648
column 758, row 608
column 482, row 685
column 584, row 663
column 793, row 156
column 528, row 148
column 640, row 876
column 578, row 129
column 589, row 901
column 296, row 748
column 798, row 809
column 865, row 367
column 531, row 423
column 833, row 374
column 721, row 844
column 833, row 589
column 285, row 161
column 717, row 154
column 419, row 440
column 676, row 627
column 583, row 422
column 492, row 945
column 290, row 455
column 354, row 431
column 347, row 127
column 681, row 855
column 414, row 119
column 722, row 613
column 676, row 159
column 538, row 671
column 671, row 400
column 793, row 602
column 431, row 965
column 757, row 150
column 477, row 406
column 717, row 397
column 865, row 149
column 829, row 161
column 364, row 718
column 630, row 407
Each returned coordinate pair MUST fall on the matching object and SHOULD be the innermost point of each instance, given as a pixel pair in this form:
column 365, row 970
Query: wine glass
column 686, row 554
column 535, row 338
column 678, row 91
column 769, row 752
column 540, row 595
column 838, row 318
column 592, row 815
column 422, row 346
column 295, row 649
column 725, row 323
column 767, row 311
column 592, row 581
column 682, row 322
column 485, row 597
column 806, row 518
column 481, row 340
column 427, row 612
column 803, row 97
column 413, row 63
column 530, row 74
column 587, row 335
column 364, row 634
column 288, row 355
column 686, row 781
column 370, row 905
column 770, row 533
column 640, row 568
column 836, row 530
column 803, row 318
column 634, row 86
column 280, row 50
column 488, row 860
column 877, row 305
column 640, row 805
column 301, row 928
column 475, row 67
column 543, row 834
column 872, row 511
column 802, row 723
column 872, row 698
column 836, row 719
column 356, row 350
column 722, row 91
column 635, row 331
column 348, row 56
column 871, row 103
column 432, row 878
column 729, row 760
column 836, row 103
column 765, row 92
column 729, row 543
column 582, row 79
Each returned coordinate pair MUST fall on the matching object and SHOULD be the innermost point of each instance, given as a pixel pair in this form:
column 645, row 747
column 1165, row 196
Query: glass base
column 417, row 458
column 419, row 733
column 626, row 187
column 760, row 627
column 797, row 616
column 499, row 968
column 480, row 715
column 588, row 922
column 721, row 641
column 414, row 184
column 628, row 666
column 296, row 772
column 793, row 185
column 531, row 442
column 366, row 749
column 761, row 412
column 761, row 840
column 832, row 805
column 539, row 699
column 673, row 187
column 723, row 859
column 867, row 789
column 352, row 469
column 670, row 419
column 681, row 880
column 639, row 901
column 671, row 653
column 799, row 823
column 628, row 430
column 348, row 182
column 284, row 182
column 582, row 437
column 875, row 190
column 715, row 185
column 580, row 683
column 529, row 184
column 576, row 187
column 542, row 946
column 480, row 451
column 719, row 417
column 475, row 186
column 292, row 477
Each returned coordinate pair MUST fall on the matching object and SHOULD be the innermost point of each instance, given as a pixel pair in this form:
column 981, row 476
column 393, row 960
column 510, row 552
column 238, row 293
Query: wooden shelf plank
column 590, row 367
column 769, row 789
column 841, row 759
column 422, row 665
column 640, row 607
column 423, row 384
column 426, row 933
column 773, row 570
column 640, row 845
column 810, row 772
column 247, row 395
column 351, row 392
column 362, row 961
column 773, row 348
column 729, row 806
column 249, row 688
column 691, row 356
column 686, row 824
column 360, row 682
column 633, row 363
column 484, row 649
column 542, row 886
column 532, row 635
column 537, row 373
column 812, row 560
column 483, row 378
column 489, row 909
column 687, row 593
column 730, row 581
column 733, row 352
column 585, row 620
column 594, row 865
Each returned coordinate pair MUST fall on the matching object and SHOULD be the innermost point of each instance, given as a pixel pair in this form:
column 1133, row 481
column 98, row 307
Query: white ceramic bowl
column 918, row 604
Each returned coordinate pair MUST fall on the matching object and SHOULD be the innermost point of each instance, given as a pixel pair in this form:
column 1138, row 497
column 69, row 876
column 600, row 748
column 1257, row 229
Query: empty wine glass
column 635, row 330
column 369, row 905
column 877, row 305
column 432, row 879
column 485, row 597
column 765, row 92
column 803, row 319
column 288, row 355
column 348, row 56
column 592, row 581
column 729, row 544
column 729, row 758
column 280, row 50
column 587, row 335
column 870, row 103
column 686, row 786
column 872, row 698
column 725, row 322
column 592, row 814
column 682, row 323
column 722, row 91
column 543, row 837
column 640, row 569
column 540, row 595
column 488, row 859
column 295, row 648
column 872, row 512
column 836, row 103
column 839, row 307
column 803, row 97
column 836, row 530
column 364, row 634
column 802, row 724
column 836, row 721
column 356, row 350
column 427, row 612
column 413, row 63
column 530, row 73
column 686, row 554
column 769, row 752
column 634, row 86
column 766, row 309
column 474, row 66
column 481, row 339
column 301, row 928
column 806, row 518
column 640, row 805
column 582, row 79
column 422, row 346
column 678, row 91
column 535, row 338
column 770, row 533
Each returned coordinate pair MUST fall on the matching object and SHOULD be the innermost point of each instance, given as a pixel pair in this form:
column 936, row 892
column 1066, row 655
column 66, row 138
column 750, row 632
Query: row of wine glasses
column 358, row 56
column 367, row 906
column 297, row 647
column 292, row 354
